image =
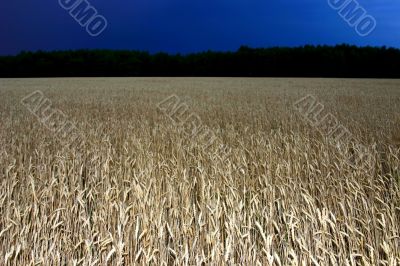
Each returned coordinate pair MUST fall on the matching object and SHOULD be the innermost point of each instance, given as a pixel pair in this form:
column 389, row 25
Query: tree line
column 305, row 61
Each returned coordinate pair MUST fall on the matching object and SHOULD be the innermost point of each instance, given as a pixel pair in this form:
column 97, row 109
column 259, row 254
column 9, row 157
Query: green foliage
column 306, row 61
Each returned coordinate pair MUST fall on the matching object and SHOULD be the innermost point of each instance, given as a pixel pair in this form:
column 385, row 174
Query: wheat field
column 138, row 190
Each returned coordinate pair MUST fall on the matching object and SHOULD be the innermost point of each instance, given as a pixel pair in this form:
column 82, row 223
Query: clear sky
column 192, row 25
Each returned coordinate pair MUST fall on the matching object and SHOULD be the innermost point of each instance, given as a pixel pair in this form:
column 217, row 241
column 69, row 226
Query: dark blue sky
column 191, row 25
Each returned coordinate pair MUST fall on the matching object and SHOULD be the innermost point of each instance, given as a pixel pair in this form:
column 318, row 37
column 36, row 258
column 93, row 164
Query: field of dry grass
column 141, row 191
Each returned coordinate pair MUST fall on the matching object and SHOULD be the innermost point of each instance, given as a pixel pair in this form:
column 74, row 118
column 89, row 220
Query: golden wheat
column 140, row 191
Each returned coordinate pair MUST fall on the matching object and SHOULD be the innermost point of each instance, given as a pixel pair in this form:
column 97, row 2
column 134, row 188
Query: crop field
column 199, row 171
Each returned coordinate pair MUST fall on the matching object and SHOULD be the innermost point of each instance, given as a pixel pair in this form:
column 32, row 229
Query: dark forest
column 306, row 61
